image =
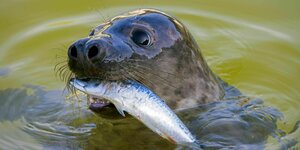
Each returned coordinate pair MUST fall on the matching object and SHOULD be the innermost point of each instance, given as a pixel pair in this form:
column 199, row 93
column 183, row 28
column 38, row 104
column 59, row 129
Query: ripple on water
column 45, row 116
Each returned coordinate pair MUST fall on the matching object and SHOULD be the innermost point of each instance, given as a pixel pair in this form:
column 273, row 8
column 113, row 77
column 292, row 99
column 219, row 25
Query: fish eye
column 141, row 38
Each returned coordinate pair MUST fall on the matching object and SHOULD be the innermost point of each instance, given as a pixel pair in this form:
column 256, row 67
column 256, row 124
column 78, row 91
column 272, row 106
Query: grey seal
column 152, row 48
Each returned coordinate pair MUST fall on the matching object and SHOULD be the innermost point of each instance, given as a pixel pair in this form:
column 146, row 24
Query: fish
column 143, row 104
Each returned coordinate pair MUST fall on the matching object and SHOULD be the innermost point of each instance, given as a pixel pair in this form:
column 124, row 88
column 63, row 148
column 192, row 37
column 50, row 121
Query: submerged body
column 141, row 103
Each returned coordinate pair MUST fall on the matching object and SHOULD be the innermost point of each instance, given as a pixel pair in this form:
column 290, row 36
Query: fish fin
column 120, row 109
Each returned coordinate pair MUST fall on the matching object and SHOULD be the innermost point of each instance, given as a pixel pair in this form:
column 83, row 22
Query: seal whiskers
column 141, row 71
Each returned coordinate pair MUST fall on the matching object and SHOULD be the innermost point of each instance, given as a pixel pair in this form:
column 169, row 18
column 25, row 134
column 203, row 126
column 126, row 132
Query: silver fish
column 143, row 104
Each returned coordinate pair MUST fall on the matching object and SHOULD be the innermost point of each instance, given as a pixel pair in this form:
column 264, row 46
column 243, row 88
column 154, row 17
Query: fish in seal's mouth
column 140, row 102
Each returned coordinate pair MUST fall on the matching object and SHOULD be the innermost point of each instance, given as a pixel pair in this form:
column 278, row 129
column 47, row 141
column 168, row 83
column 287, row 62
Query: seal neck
column 193, row 82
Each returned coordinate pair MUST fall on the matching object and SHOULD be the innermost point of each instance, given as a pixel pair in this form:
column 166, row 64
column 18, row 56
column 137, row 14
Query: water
column 252, row 45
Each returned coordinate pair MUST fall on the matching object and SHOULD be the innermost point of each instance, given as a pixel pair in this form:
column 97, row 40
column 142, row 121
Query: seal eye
column 140, row 38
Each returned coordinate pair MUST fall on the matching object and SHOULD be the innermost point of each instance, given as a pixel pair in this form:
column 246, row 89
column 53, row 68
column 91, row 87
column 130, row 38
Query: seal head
column 152, row 48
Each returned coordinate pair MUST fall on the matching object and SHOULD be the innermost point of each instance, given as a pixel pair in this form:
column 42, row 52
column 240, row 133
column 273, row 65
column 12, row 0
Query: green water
column 252, row 45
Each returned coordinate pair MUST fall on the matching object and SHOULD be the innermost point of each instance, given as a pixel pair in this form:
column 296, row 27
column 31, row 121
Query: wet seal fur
column 168, row 60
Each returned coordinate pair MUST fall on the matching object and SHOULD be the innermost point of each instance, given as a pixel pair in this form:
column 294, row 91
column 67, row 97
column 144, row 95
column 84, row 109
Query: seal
column 152, row 48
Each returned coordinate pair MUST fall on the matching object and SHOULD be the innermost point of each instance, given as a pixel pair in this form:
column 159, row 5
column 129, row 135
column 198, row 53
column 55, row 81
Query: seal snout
column 85, row 50
column 75, row 50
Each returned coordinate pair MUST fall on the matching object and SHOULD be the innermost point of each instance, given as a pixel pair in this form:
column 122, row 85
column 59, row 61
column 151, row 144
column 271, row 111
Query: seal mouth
column 97, row 104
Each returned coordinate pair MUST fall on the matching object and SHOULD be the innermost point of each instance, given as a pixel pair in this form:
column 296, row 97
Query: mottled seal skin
column 167, row 60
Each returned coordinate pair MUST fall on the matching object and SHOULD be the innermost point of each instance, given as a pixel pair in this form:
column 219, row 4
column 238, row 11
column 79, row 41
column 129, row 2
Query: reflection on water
column 256, row 50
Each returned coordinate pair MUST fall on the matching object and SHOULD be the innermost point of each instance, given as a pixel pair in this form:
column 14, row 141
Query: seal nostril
column 93, row 51
column 73, row 51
